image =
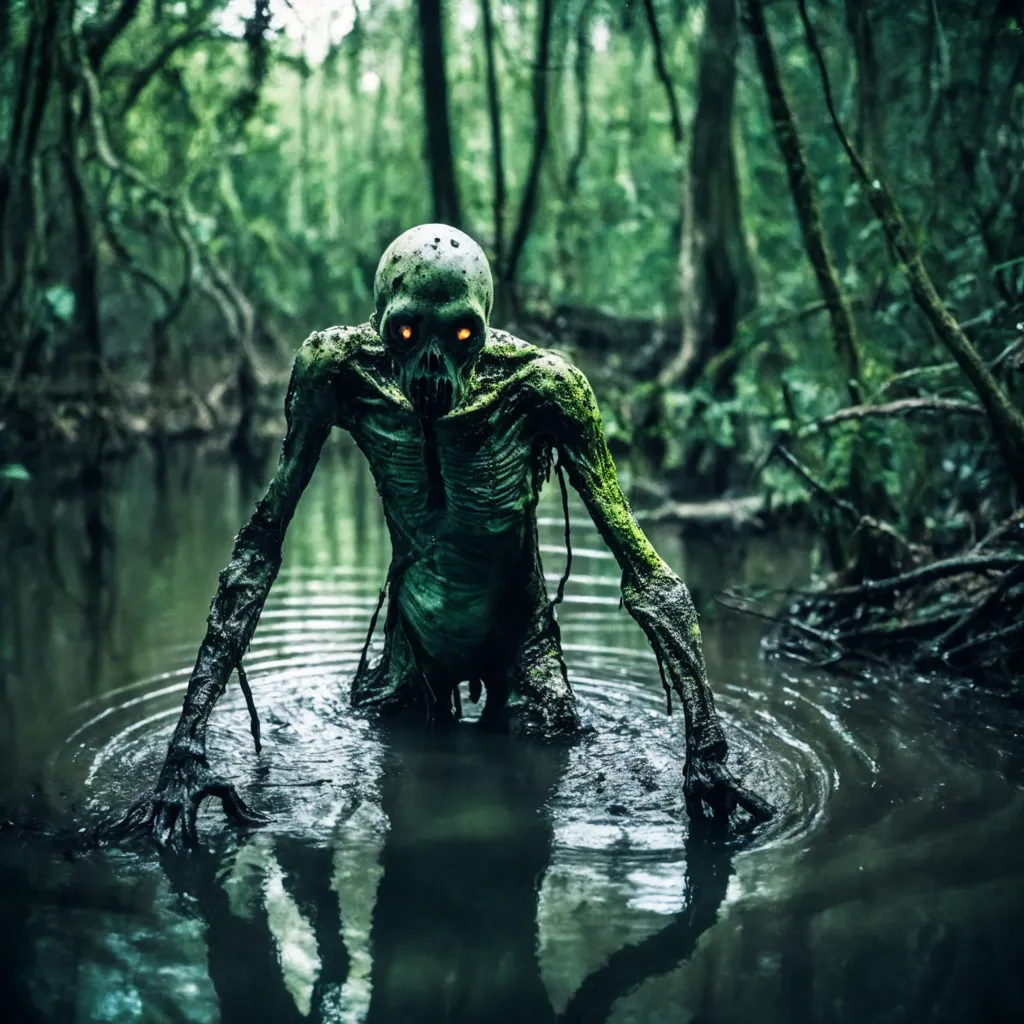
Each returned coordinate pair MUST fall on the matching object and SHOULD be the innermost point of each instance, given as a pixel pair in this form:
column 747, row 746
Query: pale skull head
column 433, row 295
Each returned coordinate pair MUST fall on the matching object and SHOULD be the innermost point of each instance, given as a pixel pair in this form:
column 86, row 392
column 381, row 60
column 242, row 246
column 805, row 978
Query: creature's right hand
column 185, row 781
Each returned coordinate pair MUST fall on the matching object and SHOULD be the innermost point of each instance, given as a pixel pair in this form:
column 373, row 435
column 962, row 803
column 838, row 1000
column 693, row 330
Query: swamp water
column 412, row 876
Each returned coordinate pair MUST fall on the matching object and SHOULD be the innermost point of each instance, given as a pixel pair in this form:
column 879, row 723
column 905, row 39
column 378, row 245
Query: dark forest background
column 785, row 238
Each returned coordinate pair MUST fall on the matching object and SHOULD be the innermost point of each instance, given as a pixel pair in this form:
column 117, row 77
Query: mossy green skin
column 459, row 435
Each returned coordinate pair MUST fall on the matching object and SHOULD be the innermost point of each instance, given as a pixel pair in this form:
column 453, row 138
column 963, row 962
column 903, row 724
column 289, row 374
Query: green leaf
column 14, row 471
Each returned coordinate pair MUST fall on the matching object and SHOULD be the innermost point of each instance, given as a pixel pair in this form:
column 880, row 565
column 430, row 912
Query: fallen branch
column 994, row 636
column 735, row 511
column 921, row 371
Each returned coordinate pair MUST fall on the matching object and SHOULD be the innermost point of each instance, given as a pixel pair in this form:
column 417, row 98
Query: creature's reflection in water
column 454, row 933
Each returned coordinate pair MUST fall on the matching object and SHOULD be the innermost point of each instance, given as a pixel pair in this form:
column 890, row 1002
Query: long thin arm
column 186, row 779
column 653, row 594
column 255, row 561
column 256, row 558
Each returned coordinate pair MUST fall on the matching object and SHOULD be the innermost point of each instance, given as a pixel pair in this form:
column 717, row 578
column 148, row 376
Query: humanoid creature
column 459, row 423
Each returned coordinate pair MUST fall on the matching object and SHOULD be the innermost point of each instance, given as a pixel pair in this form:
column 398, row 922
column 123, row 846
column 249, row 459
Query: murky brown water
column 411, row 876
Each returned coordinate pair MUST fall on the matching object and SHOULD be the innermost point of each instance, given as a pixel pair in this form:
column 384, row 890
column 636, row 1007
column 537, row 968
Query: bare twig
column 1014, row 629
column 234, row 306
column 900, row 407
column 1014, row 524
column 863, row 521
column 812, row 482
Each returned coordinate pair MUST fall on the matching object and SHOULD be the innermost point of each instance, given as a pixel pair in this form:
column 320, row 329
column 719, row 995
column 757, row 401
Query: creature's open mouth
column 431, row 396
column 431, row 390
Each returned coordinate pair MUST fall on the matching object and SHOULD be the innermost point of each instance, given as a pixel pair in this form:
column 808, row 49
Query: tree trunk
column 567, row 256
column 305, row 177
column 581, row 76
column 497, row 159
column 444, row 188
column 844, row 332
column 86, row 273
column 870, row 135
column 869, row 553
column 99, row 38
column 716, row 276
column 33, row 91
column 540, row 141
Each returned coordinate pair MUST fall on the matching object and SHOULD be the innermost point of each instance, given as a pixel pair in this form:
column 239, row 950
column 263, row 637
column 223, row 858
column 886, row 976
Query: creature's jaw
column 431, row 395
column 434, row 387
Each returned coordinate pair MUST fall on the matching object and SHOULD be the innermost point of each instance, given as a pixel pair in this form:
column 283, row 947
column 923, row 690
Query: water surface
column 418, row 876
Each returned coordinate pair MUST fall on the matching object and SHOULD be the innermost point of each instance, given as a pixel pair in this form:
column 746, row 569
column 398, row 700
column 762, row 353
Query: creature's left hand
column 662, row 606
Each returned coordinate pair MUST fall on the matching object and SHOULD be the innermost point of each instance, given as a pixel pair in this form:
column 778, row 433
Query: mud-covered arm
column 256, row 558
column 652, row 593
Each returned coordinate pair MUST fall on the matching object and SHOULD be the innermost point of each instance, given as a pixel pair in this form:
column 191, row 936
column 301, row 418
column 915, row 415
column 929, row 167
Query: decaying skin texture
column 459, row 423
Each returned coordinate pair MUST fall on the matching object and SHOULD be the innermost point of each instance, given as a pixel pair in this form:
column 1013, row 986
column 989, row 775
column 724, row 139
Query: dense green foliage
column 190, row 187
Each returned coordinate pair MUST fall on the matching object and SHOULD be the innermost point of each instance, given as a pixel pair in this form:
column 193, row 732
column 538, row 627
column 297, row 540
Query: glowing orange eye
column 406, row 332
column 463, row 333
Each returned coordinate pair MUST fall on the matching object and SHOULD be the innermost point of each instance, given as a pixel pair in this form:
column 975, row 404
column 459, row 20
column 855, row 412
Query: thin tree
column 540, row 140
column 497, row 159
column 661, row 69
column 581, row 67
column 86, row 267
column 568, row 207
column 716, row 275
column 443, row 184
column 801, row 185
column 31, row 95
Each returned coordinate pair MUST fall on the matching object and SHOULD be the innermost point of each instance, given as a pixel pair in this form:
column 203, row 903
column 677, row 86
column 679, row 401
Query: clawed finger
column 758, row 808
column 189, row 835
column 163, row 825
column 723, row 794
column 234, row 806
column 733, row 793
column 137, row 815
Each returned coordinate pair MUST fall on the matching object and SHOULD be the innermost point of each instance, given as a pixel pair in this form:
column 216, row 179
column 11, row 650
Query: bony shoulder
column 507, row 351
column 564, row 384
column 542, row 363
column 324, row 353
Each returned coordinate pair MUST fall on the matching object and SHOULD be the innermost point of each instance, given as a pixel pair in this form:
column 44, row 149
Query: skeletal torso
column 459, row 496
